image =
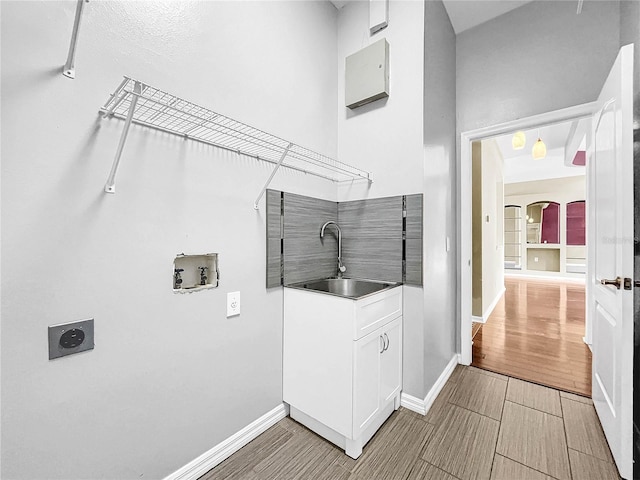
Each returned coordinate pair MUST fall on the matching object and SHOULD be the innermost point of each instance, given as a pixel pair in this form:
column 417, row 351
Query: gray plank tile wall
column 273, row 239
column 413, row 251
column 372, row 238
column 306, row 255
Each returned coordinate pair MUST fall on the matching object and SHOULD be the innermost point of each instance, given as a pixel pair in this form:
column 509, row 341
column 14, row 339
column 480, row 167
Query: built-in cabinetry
column 512, row 237
column 342, row 368
column 549, row 239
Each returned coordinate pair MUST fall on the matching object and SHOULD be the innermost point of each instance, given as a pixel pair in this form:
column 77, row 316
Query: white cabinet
column 377, row 373
column 342, row 368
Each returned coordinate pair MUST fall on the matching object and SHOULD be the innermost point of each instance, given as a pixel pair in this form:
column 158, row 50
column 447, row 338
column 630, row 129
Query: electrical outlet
column 535, row 259
column 69, row 338
column 233, row 304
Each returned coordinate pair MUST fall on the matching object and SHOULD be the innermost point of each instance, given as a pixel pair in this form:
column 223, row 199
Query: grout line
column 438, row 468
column 525, row 465
column 566, row 439
column 537, row 409
column 472, row 411
column 484, row 371
column 604, row 436
column 495, row 446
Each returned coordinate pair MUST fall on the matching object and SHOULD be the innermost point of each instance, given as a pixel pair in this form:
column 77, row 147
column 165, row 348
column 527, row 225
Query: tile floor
column 481, row 426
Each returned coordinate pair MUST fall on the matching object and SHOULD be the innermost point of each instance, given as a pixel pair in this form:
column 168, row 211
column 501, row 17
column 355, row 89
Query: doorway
column 529, row 255
column 465, row 210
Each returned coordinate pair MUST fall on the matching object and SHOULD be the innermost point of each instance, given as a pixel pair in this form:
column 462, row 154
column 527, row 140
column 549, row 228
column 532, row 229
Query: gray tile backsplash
column 274, row 257
column 372, row 238
column 372, row 244
column 306, row 255
column 413, row 248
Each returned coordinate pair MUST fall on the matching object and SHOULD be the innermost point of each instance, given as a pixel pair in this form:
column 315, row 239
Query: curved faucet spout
column 341, row 267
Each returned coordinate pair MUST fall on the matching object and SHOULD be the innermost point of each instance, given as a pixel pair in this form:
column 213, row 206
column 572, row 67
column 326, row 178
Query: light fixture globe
column 518, row 141
column 539, row 150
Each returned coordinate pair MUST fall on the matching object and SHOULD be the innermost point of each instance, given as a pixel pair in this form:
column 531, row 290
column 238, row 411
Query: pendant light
column 518, row 141
column 539, row 150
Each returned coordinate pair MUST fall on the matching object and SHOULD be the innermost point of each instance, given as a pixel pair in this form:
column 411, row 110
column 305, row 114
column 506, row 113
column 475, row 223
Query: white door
column 611, row 259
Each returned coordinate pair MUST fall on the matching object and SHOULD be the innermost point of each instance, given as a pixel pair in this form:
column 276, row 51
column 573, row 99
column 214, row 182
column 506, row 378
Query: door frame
column 464, row 241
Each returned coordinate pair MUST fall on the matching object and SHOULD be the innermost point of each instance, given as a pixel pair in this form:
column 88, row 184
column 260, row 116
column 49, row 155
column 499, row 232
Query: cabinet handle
column 387, row 347
column 383, row 349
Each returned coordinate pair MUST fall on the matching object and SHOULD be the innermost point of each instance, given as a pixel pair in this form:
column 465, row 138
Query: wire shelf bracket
column 141, row 104
column 69, row 69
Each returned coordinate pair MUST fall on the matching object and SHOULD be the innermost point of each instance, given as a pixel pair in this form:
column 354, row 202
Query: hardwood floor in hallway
column 535, row 334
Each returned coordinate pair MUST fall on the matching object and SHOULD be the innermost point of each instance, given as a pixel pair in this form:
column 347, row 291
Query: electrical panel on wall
column 367, row 75
column 192, row 273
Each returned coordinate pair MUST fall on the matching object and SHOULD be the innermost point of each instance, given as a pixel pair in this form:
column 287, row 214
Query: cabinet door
column 366, row 378
column 391, row 361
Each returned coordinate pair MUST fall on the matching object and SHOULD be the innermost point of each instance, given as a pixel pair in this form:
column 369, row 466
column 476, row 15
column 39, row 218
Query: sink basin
column 345, row 287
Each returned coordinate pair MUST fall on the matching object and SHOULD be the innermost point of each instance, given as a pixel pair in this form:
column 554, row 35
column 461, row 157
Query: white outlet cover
column 233, row 304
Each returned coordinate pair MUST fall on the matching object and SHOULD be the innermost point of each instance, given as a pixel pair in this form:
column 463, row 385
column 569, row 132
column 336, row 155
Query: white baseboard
column 205, row 462
column 558, row 277
column 422, row 406
column 487, row 313
column 412, row 403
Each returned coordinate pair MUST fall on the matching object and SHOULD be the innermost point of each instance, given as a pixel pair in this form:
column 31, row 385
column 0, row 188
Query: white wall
column 384, row 137
column 407, row 142
column 493, row 228
column 534, row 59
column 170, row 376
column 439, row 192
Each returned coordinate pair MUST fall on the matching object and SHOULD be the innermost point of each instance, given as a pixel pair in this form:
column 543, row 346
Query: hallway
column 482, row 426
column 535, row 334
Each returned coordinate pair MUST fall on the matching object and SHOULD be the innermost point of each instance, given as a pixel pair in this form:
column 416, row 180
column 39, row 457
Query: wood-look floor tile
column 488, row 372
column 535, row 439
column 506, row 469
column 480, row 393
column 438, row 409
column 392, row 451
column 290, row 425
column 306, row 455
column 584, row 432
column 586, row 467
column 576, row 398
column 334, row 472
column 425, row 471
column 534, row 396
column 239, row 465
column 463, row 444
column 456, row 375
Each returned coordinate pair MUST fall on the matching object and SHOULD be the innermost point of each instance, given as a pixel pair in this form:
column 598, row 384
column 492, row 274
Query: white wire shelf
column 142, row 104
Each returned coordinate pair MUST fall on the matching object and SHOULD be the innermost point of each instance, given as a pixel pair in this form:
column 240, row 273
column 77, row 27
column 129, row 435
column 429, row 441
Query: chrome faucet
column 341, row 267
